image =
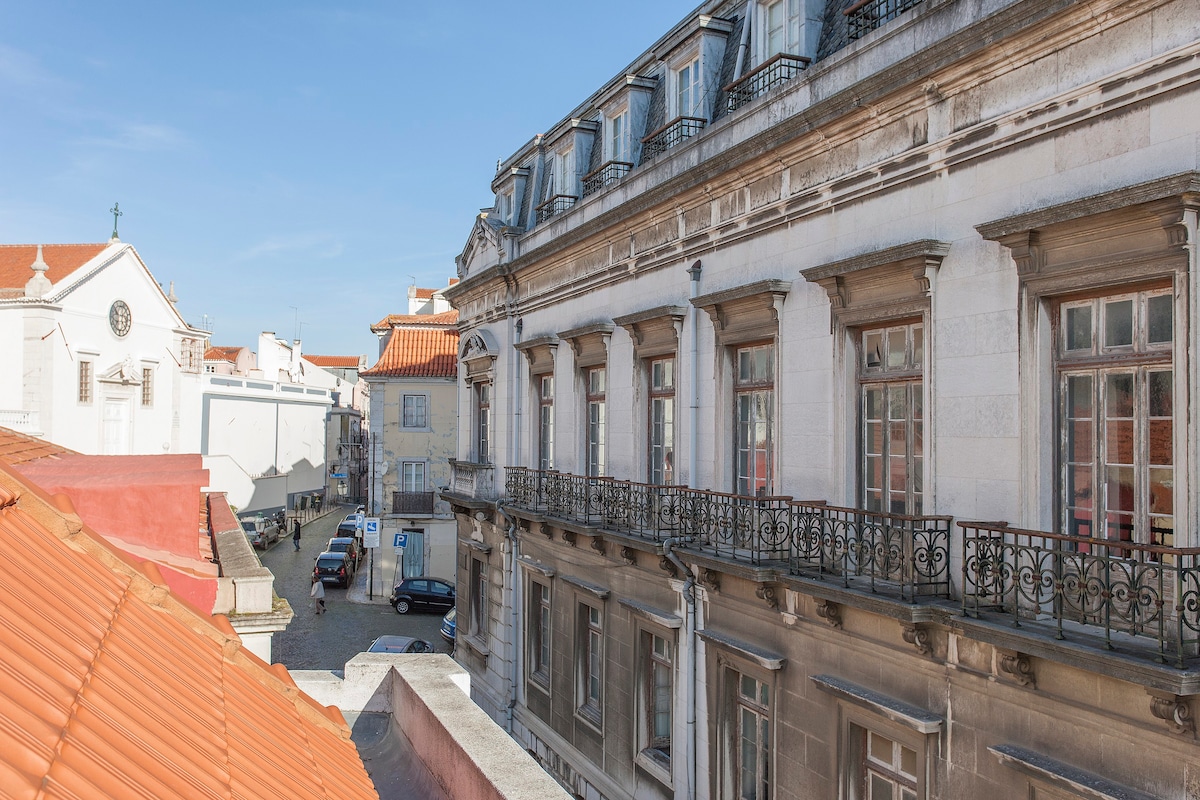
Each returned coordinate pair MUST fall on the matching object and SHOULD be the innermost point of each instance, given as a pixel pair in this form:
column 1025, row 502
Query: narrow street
column 346, row 629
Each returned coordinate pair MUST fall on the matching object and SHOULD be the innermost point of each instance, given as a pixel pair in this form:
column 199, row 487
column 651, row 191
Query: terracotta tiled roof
column 62, row 260
column 110, row 686
column 220, row 353
column 336, row 362
column 418, row 352
column 17, row 448
column 391, row 320
column 425, row 294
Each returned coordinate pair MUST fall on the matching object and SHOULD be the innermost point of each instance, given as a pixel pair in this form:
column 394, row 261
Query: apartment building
column 827, row 388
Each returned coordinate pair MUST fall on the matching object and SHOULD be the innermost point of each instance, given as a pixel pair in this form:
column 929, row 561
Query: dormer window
column 779, row 33
column 562, row 182
column 505, row 207
column 616, row 136
column 687, row 92
column 779, row 26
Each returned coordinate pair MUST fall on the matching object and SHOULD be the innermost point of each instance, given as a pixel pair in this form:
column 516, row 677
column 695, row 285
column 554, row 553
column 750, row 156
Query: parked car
column 422, row 594
column 449, row 627
column 262, row 532
column 333, row 568
column 400, row 644
column 347, row 528
column 347, row 545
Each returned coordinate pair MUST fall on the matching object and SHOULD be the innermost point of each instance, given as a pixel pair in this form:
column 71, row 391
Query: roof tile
column 392, row 320
column 62, row 260
column 418, row 353
column 336, row 362
column 18, row 448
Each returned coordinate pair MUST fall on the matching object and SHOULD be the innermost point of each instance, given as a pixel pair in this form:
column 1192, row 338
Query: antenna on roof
column 297, row 321
column 414, row 279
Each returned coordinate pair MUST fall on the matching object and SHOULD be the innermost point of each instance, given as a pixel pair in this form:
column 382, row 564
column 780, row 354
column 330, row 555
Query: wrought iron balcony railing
column 555, row 205
column 804, row 538
column 677, row 130
column 412, row 502
column 867, row 15
column 607, row 174
column 1117, row 587
column 472, row 480
column 762, row 79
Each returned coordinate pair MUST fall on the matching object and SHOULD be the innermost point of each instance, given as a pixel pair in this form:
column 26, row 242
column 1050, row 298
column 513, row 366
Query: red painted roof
column 221, row 353
column 336, row 362
column 17, row 448
column 62, row 260
column 418, row 352
column 111, row 686
column 392, row 320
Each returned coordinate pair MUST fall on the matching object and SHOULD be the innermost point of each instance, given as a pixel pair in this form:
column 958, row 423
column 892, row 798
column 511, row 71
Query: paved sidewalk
column 357, row 593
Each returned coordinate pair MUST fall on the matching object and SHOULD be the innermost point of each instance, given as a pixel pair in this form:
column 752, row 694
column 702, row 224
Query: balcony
column 1079, row 587
column 473, row 481
column 771, row 73
column 677, row 130
column 867, row 15
column 609, row 173
column 412, row 503
column 554, row 206
column 27, row 422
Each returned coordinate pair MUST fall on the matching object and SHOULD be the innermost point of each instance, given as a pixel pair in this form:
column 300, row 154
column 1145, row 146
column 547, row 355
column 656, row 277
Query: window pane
column 1079, row 327
column 918, row 345
column 881, row 789
column 1159, row 318
column 1118, row 396
column 1118, row 323
column 873, row 349
column 908, row 761
column 1161, row 398
column 896, row 344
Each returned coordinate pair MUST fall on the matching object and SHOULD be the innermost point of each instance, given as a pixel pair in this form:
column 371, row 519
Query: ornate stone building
column 828, row 398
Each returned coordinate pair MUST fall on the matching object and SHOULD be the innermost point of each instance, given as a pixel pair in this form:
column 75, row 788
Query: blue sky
column 269, row 155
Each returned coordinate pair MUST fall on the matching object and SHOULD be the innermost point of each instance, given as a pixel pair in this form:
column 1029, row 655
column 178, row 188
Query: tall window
column 1116, row 384
column 659, row 683
column 779, row 28
column 888, row 768
column 595, row 420
column 589, row 661
column 754, row 389
column 687, row 90
column 483, row 422
column 506, row 208
column 478, row 605
column 538, row 628
column 618, row 136
column 85, row 381
column 546, row 422
column 416, row 412
column 890, row 382
column 413, row 476
column 564, row 174
column 753, row 736
column 147, row 386
column 662, row 422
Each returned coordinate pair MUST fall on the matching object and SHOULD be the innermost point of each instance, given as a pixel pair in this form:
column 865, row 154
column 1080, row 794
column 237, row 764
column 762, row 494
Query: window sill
column 476, row 645
column 590, row 716
column 542, row 684
column 656, row 765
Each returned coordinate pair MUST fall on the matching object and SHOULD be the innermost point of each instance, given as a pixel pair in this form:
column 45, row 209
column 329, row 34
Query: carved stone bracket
column 598, row 544
column 918, row 637
column 766, row 592
column 830, row 612
column 569, row 537
column 666, row 566
column 1175, row 711
column 546, row 530
column 1019, row 668
column 710, row 579
column 629, row 556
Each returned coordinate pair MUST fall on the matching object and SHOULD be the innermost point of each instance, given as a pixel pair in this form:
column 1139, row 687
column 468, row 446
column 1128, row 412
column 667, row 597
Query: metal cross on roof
column 116, row 212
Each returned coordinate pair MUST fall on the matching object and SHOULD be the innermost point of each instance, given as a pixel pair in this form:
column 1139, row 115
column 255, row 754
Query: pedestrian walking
column 318, row 595
column 296, row 533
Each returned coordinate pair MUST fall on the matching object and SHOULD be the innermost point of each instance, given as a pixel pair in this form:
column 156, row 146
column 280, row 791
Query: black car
column 333, row 568
column 422, row 594
column 347, row 545
column 400, row 644
column 347, row 528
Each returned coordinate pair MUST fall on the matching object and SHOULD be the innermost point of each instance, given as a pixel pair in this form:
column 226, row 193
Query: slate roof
column 18, row 448
column 222, row 353
column 62, row 260
column 111, row 686
column 419, row 346
column 334, row 362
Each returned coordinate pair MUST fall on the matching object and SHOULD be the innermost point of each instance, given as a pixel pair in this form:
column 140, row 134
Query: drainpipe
column 514, row 613
column 688, row 592
column 744, row 44
column 694, row 355
column 514, row 451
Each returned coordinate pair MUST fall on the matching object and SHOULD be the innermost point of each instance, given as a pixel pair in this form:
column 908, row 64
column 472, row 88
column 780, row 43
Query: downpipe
column 694, row 380
column 688, row 591
column 510, row 573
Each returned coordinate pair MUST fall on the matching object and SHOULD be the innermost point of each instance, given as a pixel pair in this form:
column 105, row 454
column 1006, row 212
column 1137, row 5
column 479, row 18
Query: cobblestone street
column 330, row 640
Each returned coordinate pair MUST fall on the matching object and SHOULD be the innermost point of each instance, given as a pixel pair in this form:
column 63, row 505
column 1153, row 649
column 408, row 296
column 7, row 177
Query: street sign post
column 359, row 520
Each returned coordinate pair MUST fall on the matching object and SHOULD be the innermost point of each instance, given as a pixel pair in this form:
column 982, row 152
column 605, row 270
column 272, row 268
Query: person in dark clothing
column 296, row 533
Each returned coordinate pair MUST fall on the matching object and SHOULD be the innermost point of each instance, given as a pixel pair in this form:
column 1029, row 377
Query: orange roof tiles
column 17, row 448
column 110, row 686
column 221, row 353
column 414, row 352
column 424, row 294
column 391, row 320
column 336, row 362
column 62, row 260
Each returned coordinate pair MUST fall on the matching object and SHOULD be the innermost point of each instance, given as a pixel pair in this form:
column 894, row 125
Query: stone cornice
column 657, row 312
column 922, row 249
column 585, row 330
column 774, row 287
column 536, row 342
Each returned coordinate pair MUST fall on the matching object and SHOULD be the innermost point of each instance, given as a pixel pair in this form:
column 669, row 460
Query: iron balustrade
column 912, row 552
column 807, row 538
column 1118, row 587
column 412, row 502
column 671, row 134
column 762, row 79
column 607, row 174
column 867, row 15
column 555, row 205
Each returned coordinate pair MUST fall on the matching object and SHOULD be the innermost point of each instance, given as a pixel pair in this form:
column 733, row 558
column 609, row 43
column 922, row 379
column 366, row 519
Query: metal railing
column 555, row 205
column 772, row 72
column 607, row 174
column 1118, row 587
column 867, row 15
column 677, row 130
column 806, row 538
column 412, row 502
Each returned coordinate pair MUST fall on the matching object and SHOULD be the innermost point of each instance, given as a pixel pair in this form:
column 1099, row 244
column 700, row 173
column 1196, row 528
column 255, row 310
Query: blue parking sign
column 400, row 540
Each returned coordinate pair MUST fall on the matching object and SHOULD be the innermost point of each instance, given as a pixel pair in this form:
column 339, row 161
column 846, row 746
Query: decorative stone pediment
column 655, row 331
column 478, row 352
column 881, row 284
column 539, row 351
column 483, row 248
column 124, row 373
column 589, row 343
column 747, row 312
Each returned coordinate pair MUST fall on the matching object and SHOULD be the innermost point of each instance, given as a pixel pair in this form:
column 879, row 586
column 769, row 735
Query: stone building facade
column 827, row 388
